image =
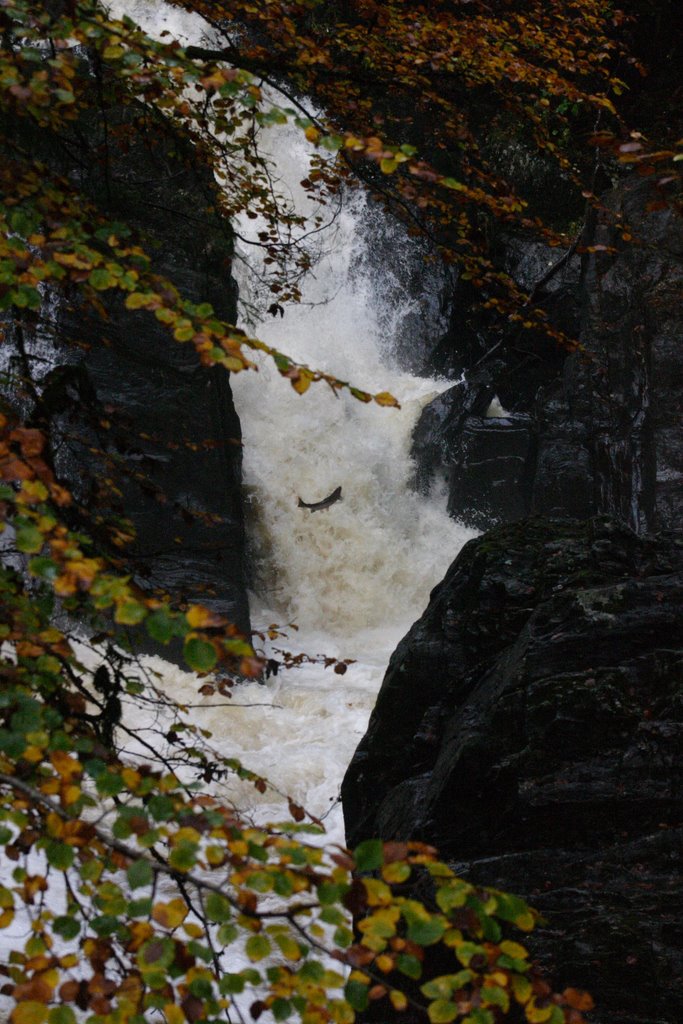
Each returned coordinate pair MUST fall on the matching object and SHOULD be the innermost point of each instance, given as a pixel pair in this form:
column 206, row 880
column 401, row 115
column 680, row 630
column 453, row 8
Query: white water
column 354, row 577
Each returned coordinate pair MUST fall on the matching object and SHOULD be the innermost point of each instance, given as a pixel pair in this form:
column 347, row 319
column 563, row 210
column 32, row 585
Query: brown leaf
column 193, row 1008
column 356, row 899
column 296, row 811
column 578, row 999
column 395, row 851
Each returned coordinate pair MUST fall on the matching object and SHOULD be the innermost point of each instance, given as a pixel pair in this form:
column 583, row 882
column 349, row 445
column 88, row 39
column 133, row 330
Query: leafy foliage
column 144, row 893
column 146, row 896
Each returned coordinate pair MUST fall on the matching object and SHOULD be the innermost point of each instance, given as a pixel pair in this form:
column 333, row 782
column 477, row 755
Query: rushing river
column 351, row 578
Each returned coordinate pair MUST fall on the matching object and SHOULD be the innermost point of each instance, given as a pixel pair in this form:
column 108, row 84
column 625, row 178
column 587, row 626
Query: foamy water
column 354, row 577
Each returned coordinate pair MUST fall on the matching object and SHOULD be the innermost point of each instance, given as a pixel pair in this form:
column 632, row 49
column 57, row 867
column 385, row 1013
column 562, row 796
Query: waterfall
column 354, row 577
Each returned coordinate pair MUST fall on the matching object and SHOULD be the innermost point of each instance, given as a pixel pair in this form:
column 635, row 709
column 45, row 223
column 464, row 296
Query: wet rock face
column 140, row 430
column 603, row 434
column 530, row 725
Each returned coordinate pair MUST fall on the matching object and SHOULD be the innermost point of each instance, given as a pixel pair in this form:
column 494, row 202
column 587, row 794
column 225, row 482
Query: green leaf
column 426, row 933
column 59, row 855
column 441, row 1011
column 257, row 947
column 227, row 933
column 200, row 655
column 67, row 927
column 29, row 539
column 101, row 279
column 409, row 965
column 444, row 986
column 369, row 856
column 140, row 873
column 139, row 908
column 452, row 896
column 217, row 908
column 183, row 856
column 61, row 1015
column 479, row 1016
column 161, row 807
column 43, row 567
column 231, row 984
column 130, row 613
column 494, row 995
column 312, row 971
column 356, row 995
column 160, row 625
column 281, row 1009
column 105, row 924
column 329, row 893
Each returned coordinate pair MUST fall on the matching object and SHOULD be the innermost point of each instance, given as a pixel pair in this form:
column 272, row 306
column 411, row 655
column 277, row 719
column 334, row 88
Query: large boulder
column 530, row 726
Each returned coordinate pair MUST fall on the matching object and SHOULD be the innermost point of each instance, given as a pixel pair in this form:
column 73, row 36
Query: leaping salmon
column 318, row 506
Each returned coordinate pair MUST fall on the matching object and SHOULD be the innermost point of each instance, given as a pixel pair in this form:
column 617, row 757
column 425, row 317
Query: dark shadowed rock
column 139, row 429
column 603, row 433
column 531, row 725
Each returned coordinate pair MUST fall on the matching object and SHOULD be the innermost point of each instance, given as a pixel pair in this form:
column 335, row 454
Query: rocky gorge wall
column 596, row 431
column 139, row 430
column 530, row 722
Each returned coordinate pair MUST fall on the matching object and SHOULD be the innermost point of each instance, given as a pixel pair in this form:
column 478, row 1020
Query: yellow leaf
column 54, row 825
column 187, row 833
column 32, row 491
column 131, row 777
column 70, row 794
column 514, row 949
column 201, row 618
column 233, row 363
column 312, row 134
column 379, row 893
column 195, row 931
column 398, row 1000
column 388, row 166
column 6, row 918
column 170, row 915
column 301, row 383
column 64, row 764
column 173, row 1014
column 31, row 1012
column 385, row 398
column 341, row 1012
column 526, row 922
column 538, row 1014
column 521, row 988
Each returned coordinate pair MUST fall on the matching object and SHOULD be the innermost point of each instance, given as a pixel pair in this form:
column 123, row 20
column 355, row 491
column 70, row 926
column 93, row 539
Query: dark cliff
column 139, row 430
column 589, row 433
column 530, row 722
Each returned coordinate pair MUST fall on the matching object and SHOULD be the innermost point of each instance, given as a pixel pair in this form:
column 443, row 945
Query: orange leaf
column 578, row 1000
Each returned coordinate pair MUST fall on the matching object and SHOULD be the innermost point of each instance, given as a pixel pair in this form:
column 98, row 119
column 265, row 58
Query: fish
column 317, row 506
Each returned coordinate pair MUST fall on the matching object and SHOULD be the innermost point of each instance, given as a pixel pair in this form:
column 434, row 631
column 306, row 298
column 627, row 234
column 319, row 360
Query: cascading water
column 352, row 578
